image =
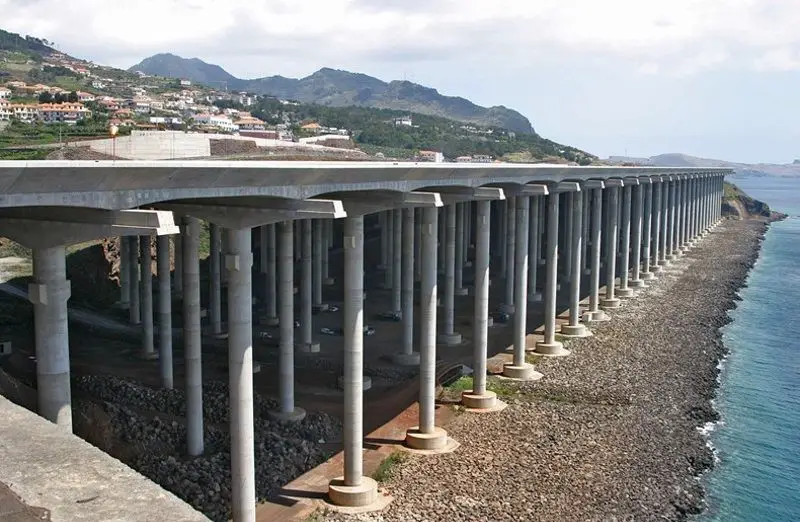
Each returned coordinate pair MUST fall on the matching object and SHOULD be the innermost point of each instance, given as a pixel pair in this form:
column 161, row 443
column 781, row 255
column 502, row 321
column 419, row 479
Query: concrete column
column 542, row 230
column 307, row 343
column 298, row 240
column 239, row 262
column 568, row 218
column 448, row 335
column 408, row 357
column 585, row 231
column 214, row 259
column 550, row 346
column 49, row 293
column 647, row 234
column 624, row 290
column 468, row 213
column 518, row 368
column 427, row 436
column 224, row 249
column 327, row 240
column 656, row 220
column 510, row 250
column 611, row 301
column 353, row 489
column 502, row 225
column 390, row 267
column 268, row 269
column 164, row 311
column 417, row 245
column 316, row 254
column 534, row 296
column 636, row 232
column 681, row 215
column 461, row 241
column 575, row 328
column 397, row 259
column 124, row 274
column 479, row 397
column 192, row 340
column 177, row 274
column 672, row 232
column 135, row 311
column 663, row 250
column 594, row 314
column 441, row 244
column 383, row 224
column 146, row 288
column 287, row 411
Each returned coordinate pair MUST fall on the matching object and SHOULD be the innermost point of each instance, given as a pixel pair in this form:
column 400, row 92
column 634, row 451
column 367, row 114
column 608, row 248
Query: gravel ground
column 149, row 422
column 610, row 433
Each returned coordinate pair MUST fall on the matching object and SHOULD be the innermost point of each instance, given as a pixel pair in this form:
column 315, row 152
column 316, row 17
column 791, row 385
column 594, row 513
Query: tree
column 73, row 97
column 45, row 97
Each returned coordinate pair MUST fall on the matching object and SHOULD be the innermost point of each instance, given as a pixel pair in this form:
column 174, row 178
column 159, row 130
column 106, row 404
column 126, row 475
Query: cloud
column 674, row 37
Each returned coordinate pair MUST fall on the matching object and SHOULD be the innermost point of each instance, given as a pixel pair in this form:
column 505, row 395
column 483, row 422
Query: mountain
column 338, row 88
column 741, row 169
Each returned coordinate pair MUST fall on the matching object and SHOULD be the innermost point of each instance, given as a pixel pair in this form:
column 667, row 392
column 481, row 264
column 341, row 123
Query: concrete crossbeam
column 236, row 216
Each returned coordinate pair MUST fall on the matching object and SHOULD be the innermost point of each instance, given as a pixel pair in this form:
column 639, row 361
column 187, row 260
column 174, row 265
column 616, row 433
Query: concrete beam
column 614, row 182
column 595, row 184
column 93, row 216
column 565, row 186
column 365, row 202
column 269, row 211
column 451, row 195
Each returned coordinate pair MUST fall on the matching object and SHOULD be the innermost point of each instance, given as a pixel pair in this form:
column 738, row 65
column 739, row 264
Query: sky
column 712, row 78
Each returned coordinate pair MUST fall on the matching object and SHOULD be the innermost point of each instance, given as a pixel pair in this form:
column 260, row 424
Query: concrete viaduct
column 545, row 226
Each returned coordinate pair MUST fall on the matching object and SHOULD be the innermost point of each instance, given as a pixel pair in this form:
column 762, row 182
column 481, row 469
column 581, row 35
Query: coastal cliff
column 736, row 203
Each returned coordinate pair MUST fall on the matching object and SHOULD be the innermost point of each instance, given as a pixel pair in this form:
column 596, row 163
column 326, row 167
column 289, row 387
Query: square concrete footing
column 576, row 331
column 481, row 403
column 554, row 349
column 362, row 498
column 610, row 304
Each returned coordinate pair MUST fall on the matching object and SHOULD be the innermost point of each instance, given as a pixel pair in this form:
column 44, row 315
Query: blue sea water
column 758, row 441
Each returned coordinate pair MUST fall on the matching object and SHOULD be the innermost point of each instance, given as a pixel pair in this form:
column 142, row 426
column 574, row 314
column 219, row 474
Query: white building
column 5, row 94
column 186, row 83
column 404, row 121
column 97, row 84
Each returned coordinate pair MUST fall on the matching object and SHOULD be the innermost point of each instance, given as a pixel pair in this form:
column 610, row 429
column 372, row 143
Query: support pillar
column 611, row 301
column 647, row 234
column 270, row 277
column 164, row 311
column 427, row 436
column 657, row 219
column 534, row 296
column 519, row 369
column 671, row 236
column 327, row 240
column 550, row 346
column 146, row 287
column 307, row 343
column 417, row 245
column 239, row 263
column 215, row 293
column 124, row 274
column 49, row 293
column 383, row 225
column 624, row 291
column 353, row 489
column 510, row 250
column 389, row 273
column 575, row 328
column 177, row 274
column 595, row 314
column 448, row 335
column 585, row 232
column 135, row 311
column 397, row 258
column 317, row 250
column 192, row 340
column 479, row 398
column 287, row 411
column 638, row 203
column 461, row 241
column 408, row 357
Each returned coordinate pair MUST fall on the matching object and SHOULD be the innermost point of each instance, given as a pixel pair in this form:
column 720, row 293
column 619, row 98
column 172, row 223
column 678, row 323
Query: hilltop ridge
column 338, row 88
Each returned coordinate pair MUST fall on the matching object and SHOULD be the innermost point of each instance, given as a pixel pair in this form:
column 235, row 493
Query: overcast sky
column 714, row 78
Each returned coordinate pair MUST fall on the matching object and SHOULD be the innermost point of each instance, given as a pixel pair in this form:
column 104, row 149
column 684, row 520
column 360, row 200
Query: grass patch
column 389, row 465
column 462, row 384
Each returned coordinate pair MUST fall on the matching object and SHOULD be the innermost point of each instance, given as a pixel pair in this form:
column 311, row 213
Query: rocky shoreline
column 613, row 432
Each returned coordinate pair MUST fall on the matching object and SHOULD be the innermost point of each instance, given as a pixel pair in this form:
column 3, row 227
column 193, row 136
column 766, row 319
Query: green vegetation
column 389, row 465
column 502, row 387
column 18, row 134
column 29, row 47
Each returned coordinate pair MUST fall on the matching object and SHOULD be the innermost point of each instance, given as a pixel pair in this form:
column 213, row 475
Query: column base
column 366, row 383
column 406, row 359
column 597, row 316
column 507, row 308
column 328, row 281
column 625, row 293
column 296, row 415
column 659, row 268
column 485, row 401
column 268, row 321
column 362, row 495
column 450, row 339
column 610, row 304
column 523, row 372
column 554, row 349
column 312, row 347
column 461, row 291
column 435, row 441
column 535, row 297
column 637, row 283
column 579, row 330
column 672, row 257
column 648, row 276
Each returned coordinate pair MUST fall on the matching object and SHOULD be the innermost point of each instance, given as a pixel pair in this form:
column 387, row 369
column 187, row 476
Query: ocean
column 757, row 477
